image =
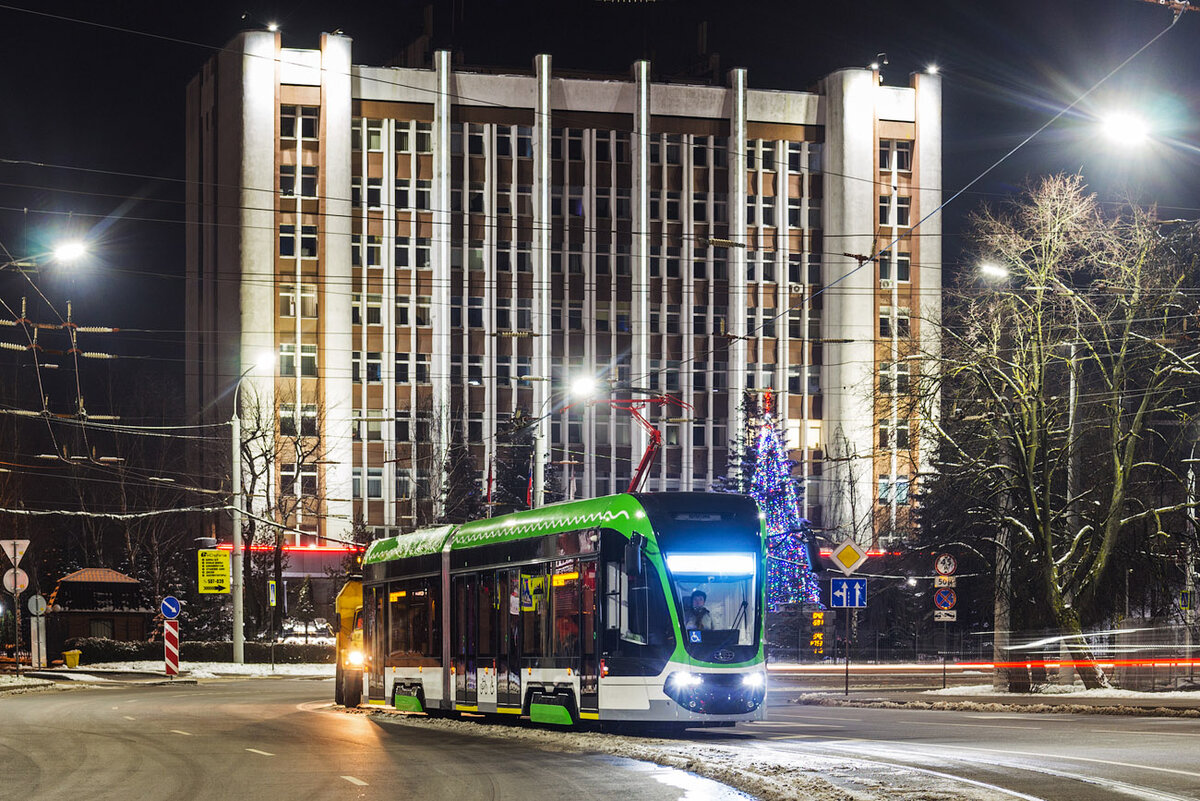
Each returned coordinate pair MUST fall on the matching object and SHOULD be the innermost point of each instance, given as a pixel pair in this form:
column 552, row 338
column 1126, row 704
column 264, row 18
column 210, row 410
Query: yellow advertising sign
column 214, row 571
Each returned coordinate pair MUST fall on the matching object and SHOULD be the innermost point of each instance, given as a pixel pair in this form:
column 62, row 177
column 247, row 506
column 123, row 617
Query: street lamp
column 1125, row 129
column 235, row 479
column 581, row 388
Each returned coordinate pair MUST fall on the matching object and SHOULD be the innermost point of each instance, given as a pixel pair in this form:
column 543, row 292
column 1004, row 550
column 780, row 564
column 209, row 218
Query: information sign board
column 214, row 571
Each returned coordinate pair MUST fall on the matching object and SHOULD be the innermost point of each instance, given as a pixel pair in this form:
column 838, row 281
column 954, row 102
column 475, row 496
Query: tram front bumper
column 717, row 693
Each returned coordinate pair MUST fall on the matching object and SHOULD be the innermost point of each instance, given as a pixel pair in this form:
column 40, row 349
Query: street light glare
column 993, row 271
column 264, row 360
column 70, row 251
column 583, row 387
column 272, row 26
column 932, row 69
column 1126, row 129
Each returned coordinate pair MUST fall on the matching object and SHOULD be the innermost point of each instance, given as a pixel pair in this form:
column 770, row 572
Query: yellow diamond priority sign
column 848, row 556
column 214, row 571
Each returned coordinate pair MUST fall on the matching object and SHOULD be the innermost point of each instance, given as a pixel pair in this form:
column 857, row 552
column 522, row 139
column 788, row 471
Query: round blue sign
column 169, row 607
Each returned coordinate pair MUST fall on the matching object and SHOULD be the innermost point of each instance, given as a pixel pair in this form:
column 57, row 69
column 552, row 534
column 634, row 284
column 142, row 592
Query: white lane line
column 769, row 723
column 1150, row 733
column 972, row 725
column 790, row 737
column 815, row 717
column 256, row 751
column 353, row 780
column 127, row 717
column 184, row 733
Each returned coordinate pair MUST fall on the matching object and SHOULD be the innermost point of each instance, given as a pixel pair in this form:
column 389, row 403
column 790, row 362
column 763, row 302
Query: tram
column 634, row 607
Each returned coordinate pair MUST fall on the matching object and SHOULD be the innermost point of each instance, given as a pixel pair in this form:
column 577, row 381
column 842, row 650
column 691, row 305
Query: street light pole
column 235, row 477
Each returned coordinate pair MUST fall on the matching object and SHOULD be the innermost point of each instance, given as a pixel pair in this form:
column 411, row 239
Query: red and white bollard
column 171, row 646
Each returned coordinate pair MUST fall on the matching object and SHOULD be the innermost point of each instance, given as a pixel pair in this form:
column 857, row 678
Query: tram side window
column 488, row 606
column 413, row 622
column 534, row 612
column 565, row 593
column 636, row 620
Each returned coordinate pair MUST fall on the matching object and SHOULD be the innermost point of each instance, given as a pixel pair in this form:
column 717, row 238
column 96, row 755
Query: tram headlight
column 685, row 679
column 355, row 658
column 754, row 680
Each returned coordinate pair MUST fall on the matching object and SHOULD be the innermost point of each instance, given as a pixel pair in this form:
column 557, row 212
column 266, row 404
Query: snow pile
column 768, row 771
column 998, row 704
column 211, row 670
column 1075, row 691
column 13, row 682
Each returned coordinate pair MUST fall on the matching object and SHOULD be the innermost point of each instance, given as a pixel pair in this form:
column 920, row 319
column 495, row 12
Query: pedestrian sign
column 271, row 592
column 1187, row 599
column 850, row 593
column 214, row 571
column 945, row 598
column 848, row 556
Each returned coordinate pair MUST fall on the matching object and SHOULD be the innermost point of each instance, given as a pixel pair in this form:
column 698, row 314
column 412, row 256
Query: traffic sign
column 945, row 581
column 848, row 556
column 945, row 616
column 37, row 605
column 1187, row 599
column 945, row 564
column 850, row 593
column 16, row 581
column 169, row 607
column 14, row 550
column 171, row 646
column 214, row 571
column 271, row 592
column 945, row 598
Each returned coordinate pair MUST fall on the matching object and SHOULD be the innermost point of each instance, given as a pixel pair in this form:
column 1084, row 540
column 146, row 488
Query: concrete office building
column 427, row 251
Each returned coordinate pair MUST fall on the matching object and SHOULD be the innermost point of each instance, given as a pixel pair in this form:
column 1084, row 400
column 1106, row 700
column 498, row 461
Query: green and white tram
column 633, row 607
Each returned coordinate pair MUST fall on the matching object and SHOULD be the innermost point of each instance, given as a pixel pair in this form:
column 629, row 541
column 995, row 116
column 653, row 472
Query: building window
column 424, row 137
column 308, row 420
column 402, row 368
column 422, row 368
column 900, row 485
column 308, row 241
column 375, row 135
column 308, row 301
column 885, row 434
column 886, row 372
column 895, row 154
column 287, row 300
column 298, row 121
column 374, row 367
column 374, row 250
column 903, row 327
column 903, row 267
column 374, row 309
column 374, row 193
column 308, row 360
column 374, row 426
column 356, row 483
column 287, row 241
column 356, row 367
column 287, row 359
column 287, row 419
column 374, row 482
column 903, row 210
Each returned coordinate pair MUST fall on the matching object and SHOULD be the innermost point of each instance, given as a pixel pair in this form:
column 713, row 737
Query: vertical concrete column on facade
column 439, row 361
column 336, row 343
column 737, row 255
column 640, row 306
column 687, row 316
column 927, row 260
column 543, row 131
column 849, row 315
column 256, row 207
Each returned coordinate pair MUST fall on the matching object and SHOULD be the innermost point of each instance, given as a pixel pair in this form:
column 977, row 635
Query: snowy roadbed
column 16, row 684
column 208, row 670
column 1124, row 702
column 768, row 770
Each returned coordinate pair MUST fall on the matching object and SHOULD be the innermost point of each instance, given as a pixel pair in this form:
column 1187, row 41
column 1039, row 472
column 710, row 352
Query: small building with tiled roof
column 97, row 602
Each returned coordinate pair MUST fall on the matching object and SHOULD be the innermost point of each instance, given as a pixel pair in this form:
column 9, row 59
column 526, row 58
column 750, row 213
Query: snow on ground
column 13, row 682
column 768, row 770
column 209, row 670
column 1075, row 691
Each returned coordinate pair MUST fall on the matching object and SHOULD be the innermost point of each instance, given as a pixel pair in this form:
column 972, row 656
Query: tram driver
column 698, row 617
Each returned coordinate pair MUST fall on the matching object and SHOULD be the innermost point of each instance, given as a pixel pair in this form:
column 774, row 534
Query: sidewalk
column 983, row 697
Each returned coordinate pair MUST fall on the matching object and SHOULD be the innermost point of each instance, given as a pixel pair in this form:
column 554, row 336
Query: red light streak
column 225, row 546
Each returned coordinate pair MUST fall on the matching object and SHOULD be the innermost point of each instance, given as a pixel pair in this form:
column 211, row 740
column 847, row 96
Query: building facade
column 428, row 253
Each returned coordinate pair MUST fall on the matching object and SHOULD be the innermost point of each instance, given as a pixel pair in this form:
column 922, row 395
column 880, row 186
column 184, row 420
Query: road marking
column 127, row 717
column 768, row 723
column 816, row 717
column 256, row 751
column 184, row 733
column 998, row 717
column 972, row 725
column 1151, row 733
column 353, row 780
column 790, row 737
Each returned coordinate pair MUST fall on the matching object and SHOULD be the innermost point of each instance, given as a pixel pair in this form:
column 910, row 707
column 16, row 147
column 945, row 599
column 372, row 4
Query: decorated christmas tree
column 790, row 577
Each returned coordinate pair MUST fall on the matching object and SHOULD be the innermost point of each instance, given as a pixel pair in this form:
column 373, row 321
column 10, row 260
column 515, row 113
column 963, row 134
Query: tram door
column 589, row 667
column 466, row 614
column 508, row 656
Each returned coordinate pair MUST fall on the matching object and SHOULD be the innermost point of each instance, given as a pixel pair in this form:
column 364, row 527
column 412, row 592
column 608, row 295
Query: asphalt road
column 280, row 740
column 277, row 740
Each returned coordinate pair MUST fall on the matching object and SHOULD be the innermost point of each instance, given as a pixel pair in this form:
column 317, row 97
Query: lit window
column 308, row 360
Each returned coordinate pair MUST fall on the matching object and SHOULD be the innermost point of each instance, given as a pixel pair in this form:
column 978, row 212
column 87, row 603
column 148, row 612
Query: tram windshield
column 716, row 596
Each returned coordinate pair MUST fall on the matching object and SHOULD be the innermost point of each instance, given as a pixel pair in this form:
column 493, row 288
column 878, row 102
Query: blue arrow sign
column 169, row 607
column 848, row 593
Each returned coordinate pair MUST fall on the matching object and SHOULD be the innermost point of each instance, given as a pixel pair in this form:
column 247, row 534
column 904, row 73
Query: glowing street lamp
column 1125, row 129
column 993, row 271
column 70, row 251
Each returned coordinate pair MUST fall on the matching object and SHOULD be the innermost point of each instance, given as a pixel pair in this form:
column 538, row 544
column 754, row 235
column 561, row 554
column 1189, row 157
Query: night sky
column 98, row 87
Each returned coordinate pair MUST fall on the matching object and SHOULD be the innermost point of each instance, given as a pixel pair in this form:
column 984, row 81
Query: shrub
column 98, row 649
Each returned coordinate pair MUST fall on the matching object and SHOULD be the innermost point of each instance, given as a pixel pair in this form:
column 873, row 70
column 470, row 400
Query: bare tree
column 1065, row 387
